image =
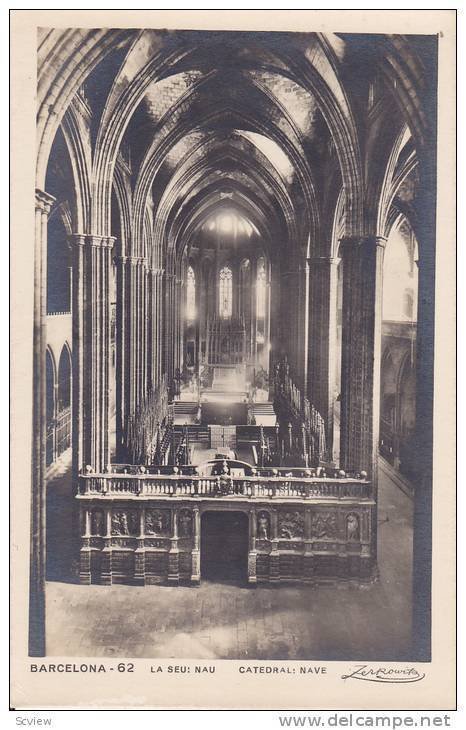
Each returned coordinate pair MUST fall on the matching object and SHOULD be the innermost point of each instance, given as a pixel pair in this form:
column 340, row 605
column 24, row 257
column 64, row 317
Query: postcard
column 233, row 385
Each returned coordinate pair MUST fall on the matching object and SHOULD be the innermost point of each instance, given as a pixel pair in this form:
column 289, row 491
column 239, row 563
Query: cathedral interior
column 233, row 340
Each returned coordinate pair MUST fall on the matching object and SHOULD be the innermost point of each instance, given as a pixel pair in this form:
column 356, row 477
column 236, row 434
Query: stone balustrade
column 223, row 486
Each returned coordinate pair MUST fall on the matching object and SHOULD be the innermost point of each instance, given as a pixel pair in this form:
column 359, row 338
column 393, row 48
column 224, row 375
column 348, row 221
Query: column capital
column 86, row 239
column 100, row 241
column 320, row 260
column 77, row 239
column 352, row 243
column 44, row 201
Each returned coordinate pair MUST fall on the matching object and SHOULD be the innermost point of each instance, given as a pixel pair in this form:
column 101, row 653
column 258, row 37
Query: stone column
column 160, row 318
column 178, row 329
column 361, row 343
column 131, row 334
column 322, row 338
column 142, row 330
column 173, row 555
column 121, row 346
column 91, row 350
column 43, row 205
column 151, row 317
column 196, row 555
column 106, row 555
column 423, row 457
column 169, row 340
column 85, row 552
column 252, row 555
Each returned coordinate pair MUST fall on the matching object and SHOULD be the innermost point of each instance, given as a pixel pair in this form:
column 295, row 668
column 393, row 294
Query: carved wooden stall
column 144, row 528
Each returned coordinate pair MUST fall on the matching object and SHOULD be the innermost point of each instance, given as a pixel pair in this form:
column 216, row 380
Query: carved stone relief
column 122, row 542
column 290, row 525
column 125, row 522
column 324, row 524
column 157, row 522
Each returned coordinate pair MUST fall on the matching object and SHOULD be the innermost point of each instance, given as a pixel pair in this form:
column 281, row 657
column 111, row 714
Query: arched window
column 226, row 293
column 50, row 377
column 64, row 380
column 261, row 289
column 190, row 294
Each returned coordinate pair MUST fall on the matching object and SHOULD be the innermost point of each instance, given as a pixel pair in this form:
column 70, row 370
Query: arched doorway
column 224, row 546
column 399, row 334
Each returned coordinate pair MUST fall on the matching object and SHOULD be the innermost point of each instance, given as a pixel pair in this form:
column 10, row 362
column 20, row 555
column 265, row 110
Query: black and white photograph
column 233, row 346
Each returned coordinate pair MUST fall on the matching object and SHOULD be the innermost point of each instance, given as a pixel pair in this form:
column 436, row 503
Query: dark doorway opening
column 224, row 547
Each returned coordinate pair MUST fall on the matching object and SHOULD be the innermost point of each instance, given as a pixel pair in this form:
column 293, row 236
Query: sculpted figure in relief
column 352, row 527
column 263, row 526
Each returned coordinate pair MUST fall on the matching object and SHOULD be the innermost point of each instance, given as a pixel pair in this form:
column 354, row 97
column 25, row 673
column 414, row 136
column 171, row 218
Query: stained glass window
column 190, row 294
column 261, row 289
column 226, row 293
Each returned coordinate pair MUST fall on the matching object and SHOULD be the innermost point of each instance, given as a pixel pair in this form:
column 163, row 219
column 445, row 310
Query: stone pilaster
column 361, row 336
column 106, row 554
column 196, row 555
column 252, row 554
column 85, row 552
column 43, row 205
column 308, row 557
column 140, row 553
column 173, row 555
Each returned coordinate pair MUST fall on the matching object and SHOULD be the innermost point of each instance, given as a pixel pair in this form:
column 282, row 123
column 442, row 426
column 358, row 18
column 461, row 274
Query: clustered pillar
column 140, row 337
column 43, row 205
column 361, row 332
column 91, row 350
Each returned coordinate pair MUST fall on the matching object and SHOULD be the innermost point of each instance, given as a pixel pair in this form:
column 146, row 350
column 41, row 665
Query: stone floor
column 227, row 621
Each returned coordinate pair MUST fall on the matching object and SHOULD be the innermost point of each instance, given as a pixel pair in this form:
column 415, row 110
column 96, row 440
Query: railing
column 249, row 487
column 63, row 431
column 284, row 472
